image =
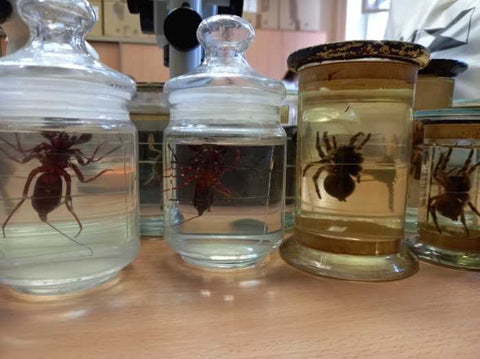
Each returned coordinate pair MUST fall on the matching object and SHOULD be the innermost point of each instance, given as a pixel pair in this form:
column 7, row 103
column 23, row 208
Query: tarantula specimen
column 456, row 184
column 341, row 163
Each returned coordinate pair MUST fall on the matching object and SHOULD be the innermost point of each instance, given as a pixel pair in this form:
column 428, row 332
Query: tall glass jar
column 224, row 154
column 449, row 217
column 355, row 112
column 434, row 90
column 289, row 123
column 149, row 112
column 68, row 151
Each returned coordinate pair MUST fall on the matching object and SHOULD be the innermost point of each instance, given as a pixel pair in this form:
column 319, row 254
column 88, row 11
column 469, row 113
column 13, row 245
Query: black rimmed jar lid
column 444, row 68
column 354, row 50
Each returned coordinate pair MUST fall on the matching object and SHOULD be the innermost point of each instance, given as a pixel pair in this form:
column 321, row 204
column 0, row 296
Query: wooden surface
column 160, row 308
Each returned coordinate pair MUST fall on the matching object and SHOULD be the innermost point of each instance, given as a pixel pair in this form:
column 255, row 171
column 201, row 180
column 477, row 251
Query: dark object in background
column 6, row 10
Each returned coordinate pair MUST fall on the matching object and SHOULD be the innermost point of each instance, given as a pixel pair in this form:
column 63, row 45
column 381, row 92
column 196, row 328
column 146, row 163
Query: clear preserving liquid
column 150, row 166
column 369, row 207
column 45, row 248
column 224, row 202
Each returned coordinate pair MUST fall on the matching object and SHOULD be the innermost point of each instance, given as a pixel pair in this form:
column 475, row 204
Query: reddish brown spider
column 55, row 158
column 205, row 167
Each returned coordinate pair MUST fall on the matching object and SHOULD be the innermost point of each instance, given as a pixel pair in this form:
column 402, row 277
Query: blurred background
column 449, row 28
column 282, row 26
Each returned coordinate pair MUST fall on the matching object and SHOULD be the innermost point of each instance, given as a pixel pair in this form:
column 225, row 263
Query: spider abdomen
column 457, row 184
column 339, row 186
column 450, row 206
column 47, row 194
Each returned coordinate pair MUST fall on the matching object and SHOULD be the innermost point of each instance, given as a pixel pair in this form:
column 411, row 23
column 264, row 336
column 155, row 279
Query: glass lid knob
column 225, row 36
column 61, row 21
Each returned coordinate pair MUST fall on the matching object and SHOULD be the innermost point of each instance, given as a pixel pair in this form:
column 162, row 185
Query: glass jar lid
column 55, row 65
column 225, row 73
column 444, row 68
column 451, row 123
column 354, row 50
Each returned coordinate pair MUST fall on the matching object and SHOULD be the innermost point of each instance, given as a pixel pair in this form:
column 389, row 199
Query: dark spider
column 456, row 183
column 55, row 157
column 342, row 163
column 205, row 168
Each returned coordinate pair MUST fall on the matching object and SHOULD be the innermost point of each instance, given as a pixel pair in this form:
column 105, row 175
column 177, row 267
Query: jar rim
column 354, row 50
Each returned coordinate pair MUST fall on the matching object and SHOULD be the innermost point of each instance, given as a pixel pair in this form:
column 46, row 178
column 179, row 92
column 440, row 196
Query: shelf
column 122, row 40
column 160, row 308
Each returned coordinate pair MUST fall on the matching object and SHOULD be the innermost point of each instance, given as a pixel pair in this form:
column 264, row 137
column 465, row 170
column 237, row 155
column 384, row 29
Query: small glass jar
column 224, row 154
column 289, row 123
column 449, row 218
column 435, row 86
column 355, row 112
column 68, row 152
column 149, row 112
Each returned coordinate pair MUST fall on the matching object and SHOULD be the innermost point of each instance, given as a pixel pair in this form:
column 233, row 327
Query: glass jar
column 224, row 154
column 68, row 151
column 149, row 112
column 355, row 112
column 289, row 123
column 449, row 219
column 435, row 86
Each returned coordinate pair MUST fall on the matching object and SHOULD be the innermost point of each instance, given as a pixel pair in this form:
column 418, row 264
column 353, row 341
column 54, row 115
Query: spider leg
column 311, row 164
column 25, row 159
column 220, row 188
column 440, row 161
column 446, row 159
column 151, row 144
column 355, row 138
column 327, row 142
column 92, row 158
column 188, row 180
column 433, row 212
column 26, row 188
column 473, row 208
column 470, row 171
column 318, row 146
column 82, row 178
column 69, row 201
column 364, row 142
column 464, row 222
column 173, row 153
column 315, row 178
column 467, row 163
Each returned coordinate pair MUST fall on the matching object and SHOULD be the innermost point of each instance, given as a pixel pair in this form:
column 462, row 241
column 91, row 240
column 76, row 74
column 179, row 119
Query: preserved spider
column 456, row 184
column 55, row 158
column 205, row 168
column 341, row 163
column 158, row 165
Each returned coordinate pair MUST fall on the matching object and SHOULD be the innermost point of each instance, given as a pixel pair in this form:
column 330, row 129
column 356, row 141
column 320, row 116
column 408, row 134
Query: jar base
column 349, row 267
column 64, row 286
column 152, row 227
column 443, row 257
column 211, row 264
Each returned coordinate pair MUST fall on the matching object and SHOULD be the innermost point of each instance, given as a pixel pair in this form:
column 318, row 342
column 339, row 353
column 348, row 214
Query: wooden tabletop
column 161, row 308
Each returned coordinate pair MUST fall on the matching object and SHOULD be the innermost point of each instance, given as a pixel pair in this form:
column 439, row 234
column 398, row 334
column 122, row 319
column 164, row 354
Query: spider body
column 342, row 163
column 456, row 184
column 205, row 168
column 56, row 157
column 157, row 170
